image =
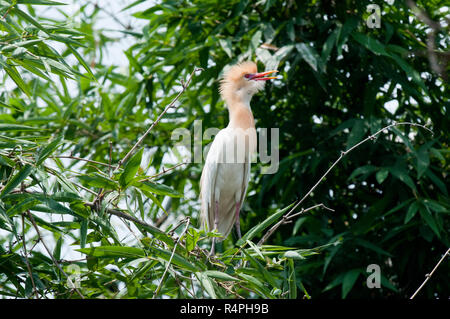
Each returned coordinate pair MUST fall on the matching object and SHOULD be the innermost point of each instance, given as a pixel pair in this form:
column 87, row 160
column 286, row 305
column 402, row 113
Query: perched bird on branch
column 226, row 173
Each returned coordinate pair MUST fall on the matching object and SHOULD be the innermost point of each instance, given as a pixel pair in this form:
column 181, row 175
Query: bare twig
column 343, row 153
column 308, row 209
column 187, row 220
column 163, row 172
column 139, row 142
column 428, row 276
column 30, row 217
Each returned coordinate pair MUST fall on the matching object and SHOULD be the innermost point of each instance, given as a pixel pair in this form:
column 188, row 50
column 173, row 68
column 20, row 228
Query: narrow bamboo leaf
column 5, row 222
column 220, row 275
column 97, row 180
column 423, row 160
column 81, row 60
column 371, row 246
column 57, row 250
column 358, row 131
column 429, row 219
column 41, row 2
column 348, row 281
column 17, row 127
column 310, row 55
column 15, row 76
column 227, row 47
column 159, row 189
column 131, row 168
column 257, row 285
column 263, row 225
column 264, row 272
column 17, row 179
column 30, row 19
column 22, row 206
column 403, row 176
column 292, row 280
column 113, row 251
column 176, row 259
column 47, row 150
column 207, row 283
column 412, row 210
column 381, row 175
column 292, row 254
column 328, row 46
column 83, row 232
column 365, row 171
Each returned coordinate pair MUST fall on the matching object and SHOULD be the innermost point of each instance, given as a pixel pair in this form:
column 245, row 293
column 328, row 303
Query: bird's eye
column 247, row 76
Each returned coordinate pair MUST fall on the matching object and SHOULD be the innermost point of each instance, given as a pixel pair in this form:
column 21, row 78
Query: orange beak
column 262, row 76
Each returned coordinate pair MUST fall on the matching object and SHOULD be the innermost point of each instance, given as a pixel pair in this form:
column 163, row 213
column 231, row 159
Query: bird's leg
column 238, row 222
column 216, row 223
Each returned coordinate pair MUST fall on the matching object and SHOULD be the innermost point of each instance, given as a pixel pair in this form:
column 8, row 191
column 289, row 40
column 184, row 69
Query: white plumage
column 226, row 173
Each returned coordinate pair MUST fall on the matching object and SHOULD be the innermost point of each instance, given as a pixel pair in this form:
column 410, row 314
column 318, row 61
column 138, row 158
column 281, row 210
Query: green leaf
column 328, row 45
column 97, row 180
column 192, row 236
column 227, row 47
column 15, row 76
column 155, row 188
column 381, row 175
column 403, row 176
column 22, row 206
column 17, row 179
column 365, row 171
column 30, row 19
column 429, row 219
column 263, row 225
column 349, row 281
column 57, row 250
column 41, row 2
column 292, row 254
column 423, row 160
column 358, row 131
column 113, row 251
column 17, row 127
column 207, row 283
column 291, row 280
column 81, row 60
column 371, row 44
column 83, row 232
column 310, row 55
column 177, row 260
column 48, row 150
column 412, row 210
column 220, row 275
column 131, row 168
column 261, row 270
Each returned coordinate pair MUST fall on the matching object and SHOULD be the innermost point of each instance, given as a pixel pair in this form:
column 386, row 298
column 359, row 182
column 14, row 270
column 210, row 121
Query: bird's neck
column 241, row 115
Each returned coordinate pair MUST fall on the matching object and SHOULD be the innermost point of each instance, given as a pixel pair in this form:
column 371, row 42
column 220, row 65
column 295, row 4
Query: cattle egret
column 226, row 173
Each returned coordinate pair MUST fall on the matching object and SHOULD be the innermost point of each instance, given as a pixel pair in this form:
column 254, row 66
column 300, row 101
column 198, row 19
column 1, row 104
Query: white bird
column 226, row 172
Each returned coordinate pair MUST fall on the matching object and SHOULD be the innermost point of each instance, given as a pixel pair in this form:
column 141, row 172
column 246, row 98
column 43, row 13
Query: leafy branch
column 288, row 215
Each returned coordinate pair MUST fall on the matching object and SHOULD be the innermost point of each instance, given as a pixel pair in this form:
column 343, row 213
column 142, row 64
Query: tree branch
column 428, row 276
column 343, row 153
column 187, row 220
column 30, row 217
column 171, row 105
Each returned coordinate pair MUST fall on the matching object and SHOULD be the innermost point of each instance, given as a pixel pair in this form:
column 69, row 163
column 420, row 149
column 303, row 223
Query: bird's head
column 242, row 81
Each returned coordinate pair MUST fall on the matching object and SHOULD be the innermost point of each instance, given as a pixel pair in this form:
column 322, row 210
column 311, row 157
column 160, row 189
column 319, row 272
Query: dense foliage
column 71, row 207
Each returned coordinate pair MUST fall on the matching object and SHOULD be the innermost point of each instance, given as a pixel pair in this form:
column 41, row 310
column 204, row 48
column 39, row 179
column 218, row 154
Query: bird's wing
column 209, row 177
